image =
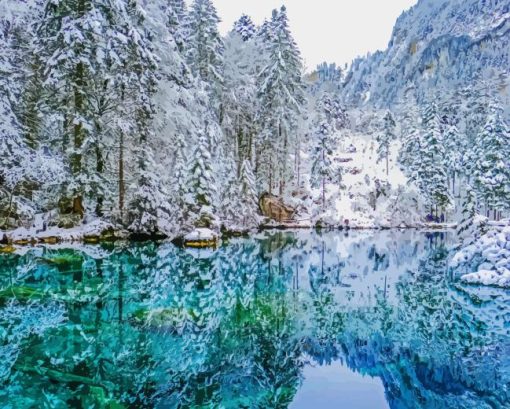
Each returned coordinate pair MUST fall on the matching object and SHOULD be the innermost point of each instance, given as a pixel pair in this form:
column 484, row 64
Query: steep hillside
column 437, row 44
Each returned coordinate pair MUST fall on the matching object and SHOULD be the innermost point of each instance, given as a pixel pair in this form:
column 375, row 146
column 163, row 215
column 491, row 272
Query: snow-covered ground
column 37, row 232
column 201, row 234
column 368, row 196
column 487, row 261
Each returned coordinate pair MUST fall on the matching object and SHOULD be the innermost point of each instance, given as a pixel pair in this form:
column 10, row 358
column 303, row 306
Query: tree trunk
column 78, row 131
column 323, row 193
column 271, row 176
column 298, row 156
column 99, row 170
column 323, row 183
column 122, row 187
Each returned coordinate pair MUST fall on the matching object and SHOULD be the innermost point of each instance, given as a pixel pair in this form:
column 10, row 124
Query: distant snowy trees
column 463, row 137
column 325, row 142
column 204, row 45
column 245, row 28
column 384, row 139
column 281, row 93
column 491, row 170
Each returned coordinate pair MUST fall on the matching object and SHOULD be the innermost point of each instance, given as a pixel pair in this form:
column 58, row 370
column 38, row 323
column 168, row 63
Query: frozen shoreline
column 99, row 231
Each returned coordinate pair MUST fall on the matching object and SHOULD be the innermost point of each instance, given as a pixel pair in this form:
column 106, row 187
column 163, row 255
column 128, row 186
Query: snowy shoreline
column 487, row 260
column 99, row 232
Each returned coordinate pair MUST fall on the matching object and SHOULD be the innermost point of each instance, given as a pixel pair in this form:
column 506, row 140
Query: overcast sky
column 326, row 30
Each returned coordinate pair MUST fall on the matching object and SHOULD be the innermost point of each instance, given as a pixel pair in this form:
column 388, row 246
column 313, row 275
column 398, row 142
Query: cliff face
column 436, row 44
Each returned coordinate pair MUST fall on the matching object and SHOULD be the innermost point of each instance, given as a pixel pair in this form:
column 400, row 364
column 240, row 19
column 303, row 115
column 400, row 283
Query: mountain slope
column 436, row 44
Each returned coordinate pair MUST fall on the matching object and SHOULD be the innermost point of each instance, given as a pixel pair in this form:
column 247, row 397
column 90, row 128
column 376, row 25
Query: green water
column 359, row 320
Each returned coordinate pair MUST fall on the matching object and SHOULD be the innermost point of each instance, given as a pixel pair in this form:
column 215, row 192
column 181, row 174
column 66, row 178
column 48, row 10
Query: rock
column 91, row 239
column 274, row 208
column 25, row 242
column 201, row 238
column 7, row 249
column 49, row 240
column 68, row 221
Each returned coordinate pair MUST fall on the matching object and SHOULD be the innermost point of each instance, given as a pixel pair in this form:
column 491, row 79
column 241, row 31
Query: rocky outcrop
column 274, row 208
column 201, row 238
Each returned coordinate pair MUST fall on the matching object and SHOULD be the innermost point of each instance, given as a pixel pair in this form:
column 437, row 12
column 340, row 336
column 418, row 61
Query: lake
column 280, row 320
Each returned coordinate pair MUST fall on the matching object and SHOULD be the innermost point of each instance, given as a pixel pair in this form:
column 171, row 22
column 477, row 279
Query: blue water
column 280, row 320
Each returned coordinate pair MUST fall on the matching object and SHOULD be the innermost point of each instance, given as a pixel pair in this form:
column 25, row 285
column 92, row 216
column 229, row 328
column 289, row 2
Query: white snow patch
column 201, row 234
column 487, row 261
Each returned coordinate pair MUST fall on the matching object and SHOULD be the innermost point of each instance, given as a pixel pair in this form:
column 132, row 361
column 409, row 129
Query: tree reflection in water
column 157, row 326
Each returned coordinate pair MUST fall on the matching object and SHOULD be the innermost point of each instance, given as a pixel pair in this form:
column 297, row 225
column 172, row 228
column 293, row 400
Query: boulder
column 274, row 208
column 201, row 238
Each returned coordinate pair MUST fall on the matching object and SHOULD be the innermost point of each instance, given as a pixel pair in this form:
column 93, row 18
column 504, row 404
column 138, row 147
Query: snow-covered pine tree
column 245, row 27
column 230, row 198
column 384, row 139
column 83, row 47
column 466, row 228
column 265, row 32
column 11, row 130
column 325, row 141
column 149, row 204
column 149, row 211
column 431, row 169
column 23, row 167
column 248, row 197
column 204, row 45
column 239, row 99
column 455, row 142
column 179, row 189
column 240, row 200
column 281, row 94
column 176, row 12
column 492, row 166
column 410, row 153
column 455, row 151
column 66, row 42
column 201, row 184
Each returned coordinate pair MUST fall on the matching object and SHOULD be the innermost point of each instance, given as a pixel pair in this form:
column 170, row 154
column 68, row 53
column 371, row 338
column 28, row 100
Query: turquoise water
column 299, row 320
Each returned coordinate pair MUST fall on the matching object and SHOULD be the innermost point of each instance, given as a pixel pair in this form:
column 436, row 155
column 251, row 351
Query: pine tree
column 466, row 229
column 492, row 166
column 11, row 140
column 142, row 85
column 149, row 210
column 176, row 22
column 455, row 142
column 245, row 27
column 428, row 168
column 84, row 46
column 325, row 142
column 239, row 99
column 179, row 178
column 201, row 184
column 281, row 99
column 19, row 158
column 410, row 152
column 204, row 45
column 248, row 196
column 433, row 171
column 455, row 153
column 384, row 139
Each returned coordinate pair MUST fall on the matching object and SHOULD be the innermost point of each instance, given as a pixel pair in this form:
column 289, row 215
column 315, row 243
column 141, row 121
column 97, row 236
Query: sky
column 325, row 30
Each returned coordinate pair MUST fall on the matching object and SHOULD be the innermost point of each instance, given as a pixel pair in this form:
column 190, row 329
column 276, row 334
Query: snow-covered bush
column 487, row 260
